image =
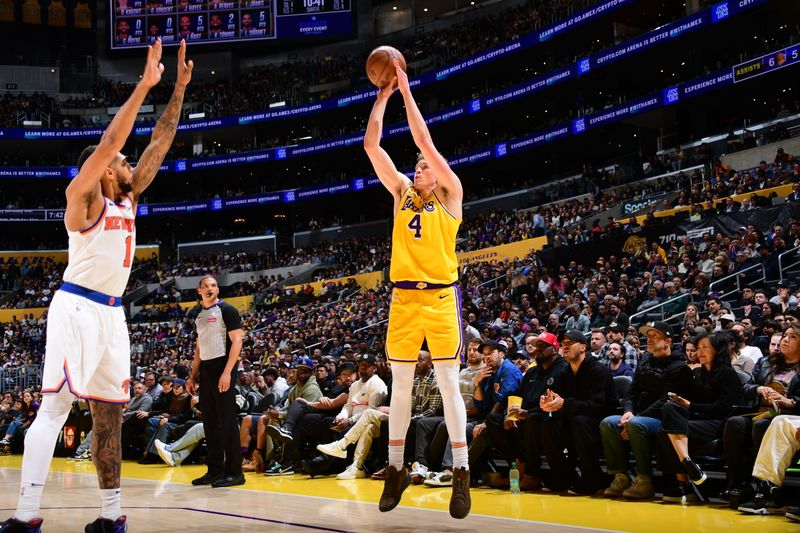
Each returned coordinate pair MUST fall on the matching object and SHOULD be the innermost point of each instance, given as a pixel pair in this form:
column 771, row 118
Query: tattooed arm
column 107, row 442
column 164, row 132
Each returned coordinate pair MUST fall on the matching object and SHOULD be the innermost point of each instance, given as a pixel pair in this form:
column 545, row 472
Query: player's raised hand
column 153, row 68
column 184, row 68
column 386, row 91
column 402, row 79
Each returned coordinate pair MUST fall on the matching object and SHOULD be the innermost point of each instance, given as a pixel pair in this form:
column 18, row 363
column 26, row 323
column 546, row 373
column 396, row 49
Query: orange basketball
column 380, row 68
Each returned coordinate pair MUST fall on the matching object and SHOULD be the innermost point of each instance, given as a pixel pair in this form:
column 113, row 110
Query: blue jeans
column 642, row 433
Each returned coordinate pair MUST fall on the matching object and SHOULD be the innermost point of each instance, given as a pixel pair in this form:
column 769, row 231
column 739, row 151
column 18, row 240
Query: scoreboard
column 138, row 23
column 766, row 63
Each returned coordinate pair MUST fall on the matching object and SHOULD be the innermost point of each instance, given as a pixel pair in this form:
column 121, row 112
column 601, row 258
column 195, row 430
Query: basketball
column 380, row 68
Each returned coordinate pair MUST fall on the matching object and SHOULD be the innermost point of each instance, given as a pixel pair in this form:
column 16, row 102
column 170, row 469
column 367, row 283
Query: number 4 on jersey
column 416, row 226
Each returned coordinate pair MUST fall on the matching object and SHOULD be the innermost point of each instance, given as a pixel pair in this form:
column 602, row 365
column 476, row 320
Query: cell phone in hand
column 671, row 395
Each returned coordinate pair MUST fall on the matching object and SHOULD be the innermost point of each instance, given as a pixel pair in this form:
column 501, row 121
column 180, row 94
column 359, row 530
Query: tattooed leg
column 107, row 443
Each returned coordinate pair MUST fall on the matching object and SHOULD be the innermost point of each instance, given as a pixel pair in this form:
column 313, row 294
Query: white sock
column 400, row 411
column 110, row 501
column 40, row 441
column 30, row 497
column 455, row 413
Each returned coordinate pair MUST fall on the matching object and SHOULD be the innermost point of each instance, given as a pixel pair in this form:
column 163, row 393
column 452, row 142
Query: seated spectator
column 700, row 418
column 306, row 388
column 661, row 371
column 184, row 440
column 690, row 350
column 585, row 396
column 615, row 332
column 171, row 411
column 440, row 442
column 367, row 393
column 774, row 389
column 519, row 435
column 24, row 417
column 781, row 442
column 784, row 300
column 616, row 362
column 498, row 380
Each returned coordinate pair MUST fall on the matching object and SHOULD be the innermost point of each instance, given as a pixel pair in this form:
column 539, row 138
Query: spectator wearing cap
column 784, row 300
column 775, row 379
column 726, row 321
column 577, row 320
column 306, row 388
column 308, row 424
column 519, row 435
column 521, row 360
column 661, row 371
column 368, row 393
column 698, row 418
column 578, row 402
column 498, row 379
column 615, row 332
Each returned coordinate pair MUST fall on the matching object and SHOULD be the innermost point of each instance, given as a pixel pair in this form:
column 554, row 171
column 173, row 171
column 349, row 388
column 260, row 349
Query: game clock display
column 138, row 23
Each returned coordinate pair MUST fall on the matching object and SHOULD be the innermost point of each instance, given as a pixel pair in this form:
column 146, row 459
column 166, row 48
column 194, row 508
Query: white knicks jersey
column 100, row 256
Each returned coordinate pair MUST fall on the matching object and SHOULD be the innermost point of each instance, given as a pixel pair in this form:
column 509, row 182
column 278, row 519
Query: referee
column 216, row 357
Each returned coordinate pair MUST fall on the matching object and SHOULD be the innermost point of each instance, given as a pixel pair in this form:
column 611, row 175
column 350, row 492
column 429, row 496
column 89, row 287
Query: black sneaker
column 104, row 525
column 793, row 513
column 766, row 501
column 396, row 482
column 12, row 525
column 693, row 471
column 679, row 493
column 206, row 479
column 740, row 494
column 228, row 481
column 460, row 502
column 277, row 432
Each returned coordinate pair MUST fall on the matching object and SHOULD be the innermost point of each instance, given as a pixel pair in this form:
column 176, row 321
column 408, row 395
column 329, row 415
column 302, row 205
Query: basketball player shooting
column 426, row 300
column 88, row 350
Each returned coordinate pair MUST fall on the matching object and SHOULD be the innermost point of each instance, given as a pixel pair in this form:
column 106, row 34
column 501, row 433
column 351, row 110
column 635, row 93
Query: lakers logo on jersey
column 417, row 204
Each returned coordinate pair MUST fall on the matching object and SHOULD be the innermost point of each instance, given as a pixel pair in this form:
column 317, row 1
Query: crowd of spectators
column 586, row 306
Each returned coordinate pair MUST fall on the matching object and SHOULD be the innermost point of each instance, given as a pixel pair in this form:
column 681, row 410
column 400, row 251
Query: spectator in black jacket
column 661, row 371
column 523, row 425
column 776, row 374
column 583, row 397
column 700, row 417
column 178, row 411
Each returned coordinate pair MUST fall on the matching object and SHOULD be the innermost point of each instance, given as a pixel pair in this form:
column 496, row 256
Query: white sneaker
column 334, row 449
column 418, row 473
column 352, row 472
column 439, row 479
column 166, row 456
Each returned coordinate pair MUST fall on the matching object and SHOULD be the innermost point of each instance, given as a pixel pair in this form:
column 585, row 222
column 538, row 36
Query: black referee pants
column 219, row 419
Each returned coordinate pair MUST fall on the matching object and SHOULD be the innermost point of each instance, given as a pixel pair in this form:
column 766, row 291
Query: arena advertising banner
column 36, row 257
column 720, row 12
column 369, row 280
column 632, row 206
column 12, row 315
column 504, row 252
column 241, row 303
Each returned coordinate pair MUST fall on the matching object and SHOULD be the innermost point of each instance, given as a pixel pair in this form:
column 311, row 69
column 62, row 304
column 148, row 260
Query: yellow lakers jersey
column 424, row 240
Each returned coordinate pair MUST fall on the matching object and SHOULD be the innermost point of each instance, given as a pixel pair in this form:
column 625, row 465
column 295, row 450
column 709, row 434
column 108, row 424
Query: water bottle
column 513, row 476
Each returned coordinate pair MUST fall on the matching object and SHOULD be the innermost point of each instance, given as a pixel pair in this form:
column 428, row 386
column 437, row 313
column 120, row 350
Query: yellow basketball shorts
column 427, row 314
